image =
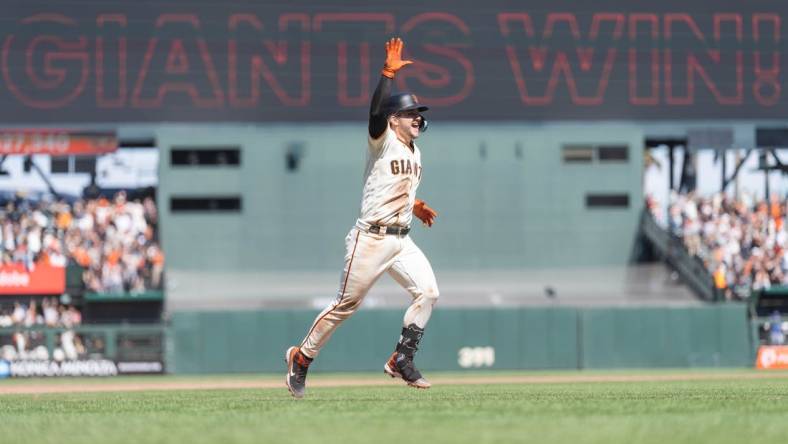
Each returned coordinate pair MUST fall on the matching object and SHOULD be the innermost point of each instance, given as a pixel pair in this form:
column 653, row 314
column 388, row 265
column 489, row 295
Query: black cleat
column 297, row 366
column 401, row 366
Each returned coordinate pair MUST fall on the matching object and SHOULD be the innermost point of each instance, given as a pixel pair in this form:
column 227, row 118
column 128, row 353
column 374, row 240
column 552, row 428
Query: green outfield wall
column 457, row 339
column 504, row 190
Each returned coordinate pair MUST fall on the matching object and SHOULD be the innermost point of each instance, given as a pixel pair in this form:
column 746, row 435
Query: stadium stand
column 113, row 240
column 741, row 242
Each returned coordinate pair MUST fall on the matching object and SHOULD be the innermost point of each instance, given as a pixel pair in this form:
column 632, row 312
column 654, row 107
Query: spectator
column 51, row 316
column 5, row 319
column 70, row 317
column 20, row 342
column 18, row 315
column 31, row 316
column 69, row 347
column 776, row 335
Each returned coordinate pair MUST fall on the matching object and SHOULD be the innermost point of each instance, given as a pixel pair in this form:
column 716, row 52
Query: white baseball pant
column 367, row 256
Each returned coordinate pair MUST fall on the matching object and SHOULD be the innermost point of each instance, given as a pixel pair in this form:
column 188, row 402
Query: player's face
column 409, row 122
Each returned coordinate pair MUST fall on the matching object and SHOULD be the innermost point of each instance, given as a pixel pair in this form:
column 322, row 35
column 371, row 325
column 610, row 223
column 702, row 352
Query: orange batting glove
column 394, row 60
column 425, row 213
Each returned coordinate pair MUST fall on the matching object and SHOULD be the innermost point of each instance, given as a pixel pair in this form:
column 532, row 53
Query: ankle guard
column 409, row 340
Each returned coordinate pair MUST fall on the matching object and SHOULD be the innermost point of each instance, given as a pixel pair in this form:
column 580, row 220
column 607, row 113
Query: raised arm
column 394, row 62
column 377, row 117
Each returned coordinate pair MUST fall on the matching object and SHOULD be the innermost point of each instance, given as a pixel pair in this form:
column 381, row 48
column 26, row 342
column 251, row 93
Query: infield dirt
column 153, row 383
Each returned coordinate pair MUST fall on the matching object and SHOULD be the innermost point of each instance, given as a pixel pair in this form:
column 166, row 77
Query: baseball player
column 379, row 241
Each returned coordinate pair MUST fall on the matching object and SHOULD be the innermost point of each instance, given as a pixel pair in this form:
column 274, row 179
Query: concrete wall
column 505, row 197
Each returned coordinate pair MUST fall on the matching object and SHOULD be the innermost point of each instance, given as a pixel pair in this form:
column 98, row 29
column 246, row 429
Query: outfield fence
column 463, row 339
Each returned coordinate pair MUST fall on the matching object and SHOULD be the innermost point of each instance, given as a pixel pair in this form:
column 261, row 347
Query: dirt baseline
column 164, row 384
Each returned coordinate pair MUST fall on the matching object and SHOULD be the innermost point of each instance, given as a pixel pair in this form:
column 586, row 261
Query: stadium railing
column 671, row 248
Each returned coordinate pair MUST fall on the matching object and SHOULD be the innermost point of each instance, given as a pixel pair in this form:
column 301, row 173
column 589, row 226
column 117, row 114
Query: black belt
column 399, row 231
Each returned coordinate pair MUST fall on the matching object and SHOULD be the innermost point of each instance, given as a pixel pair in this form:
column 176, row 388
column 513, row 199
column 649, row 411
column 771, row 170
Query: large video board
column 290, row 61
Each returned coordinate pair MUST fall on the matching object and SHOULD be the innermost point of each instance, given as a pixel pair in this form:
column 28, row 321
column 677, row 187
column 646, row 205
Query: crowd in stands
column 741, row 243
column 115, row 241
column 29, row 344
column 49, row 313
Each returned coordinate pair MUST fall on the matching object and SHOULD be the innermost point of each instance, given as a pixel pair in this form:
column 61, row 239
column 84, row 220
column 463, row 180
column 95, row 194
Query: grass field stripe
column 689, row 406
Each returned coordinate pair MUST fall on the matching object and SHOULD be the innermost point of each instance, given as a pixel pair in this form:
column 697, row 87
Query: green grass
column 720, row 411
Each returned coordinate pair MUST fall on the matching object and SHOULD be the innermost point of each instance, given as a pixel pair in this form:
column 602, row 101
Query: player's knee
column 431, row 294
column 349, row 304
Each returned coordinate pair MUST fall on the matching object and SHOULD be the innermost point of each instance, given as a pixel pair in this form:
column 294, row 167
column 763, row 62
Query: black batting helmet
column 403, row 102
column 400, row 102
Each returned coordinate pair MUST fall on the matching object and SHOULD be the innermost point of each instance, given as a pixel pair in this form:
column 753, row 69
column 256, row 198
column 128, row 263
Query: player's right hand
column 394, row 60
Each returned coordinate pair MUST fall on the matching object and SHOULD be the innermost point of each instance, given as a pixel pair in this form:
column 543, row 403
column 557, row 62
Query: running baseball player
column 379, row 241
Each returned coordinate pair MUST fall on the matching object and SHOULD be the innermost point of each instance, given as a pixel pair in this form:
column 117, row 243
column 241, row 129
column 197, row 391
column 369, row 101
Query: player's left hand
column 425, row 213
column 394, row 60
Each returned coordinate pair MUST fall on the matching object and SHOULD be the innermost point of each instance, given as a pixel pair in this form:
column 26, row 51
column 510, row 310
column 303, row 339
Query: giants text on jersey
column 392, row 176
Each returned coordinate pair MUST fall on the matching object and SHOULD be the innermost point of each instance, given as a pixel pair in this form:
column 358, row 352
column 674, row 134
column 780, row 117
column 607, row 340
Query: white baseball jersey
column 391, row 178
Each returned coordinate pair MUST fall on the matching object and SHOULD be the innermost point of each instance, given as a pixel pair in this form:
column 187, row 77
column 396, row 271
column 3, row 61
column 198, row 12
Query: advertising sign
column 84, row 367
column 16, row 279
column 56, row 142
column 772, row 357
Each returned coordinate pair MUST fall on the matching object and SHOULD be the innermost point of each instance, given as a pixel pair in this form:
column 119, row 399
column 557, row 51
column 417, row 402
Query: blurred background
column 177, row 178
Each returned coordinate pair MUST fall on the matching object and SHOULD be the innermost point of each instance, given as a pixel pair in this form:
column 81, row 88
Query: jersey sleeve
column 378, row 146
